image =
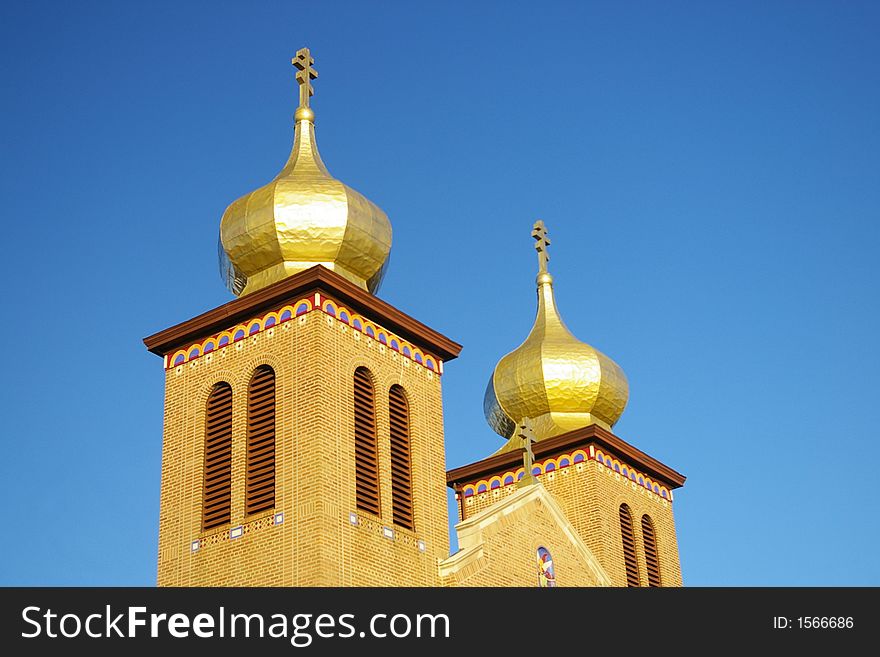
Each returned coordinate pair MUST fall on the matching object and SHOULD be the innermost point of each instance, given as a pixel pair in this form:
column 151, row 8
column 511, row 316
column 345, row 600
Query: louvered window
column 260, row 484
column 652, row 560
column 366, row 459
column 629, row 546
column 401, row 473
column 218, row 457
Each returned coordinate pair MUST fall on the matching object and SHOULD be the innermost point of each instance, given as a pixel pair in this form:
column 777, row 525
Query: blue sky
column 709, row 173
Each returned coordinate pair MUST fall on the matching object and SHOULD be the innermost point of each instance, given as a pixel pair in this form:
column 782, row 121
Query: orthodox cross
column 539, row 232
column 304, row 61
column 526, row 433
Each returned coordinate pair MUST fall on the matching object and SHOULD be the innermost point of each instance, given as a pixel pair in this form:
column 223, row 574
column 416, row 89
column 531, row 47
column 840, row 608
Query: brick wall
column 320, row 538
column 314, row 357
column 507, row 555
column 590, row 495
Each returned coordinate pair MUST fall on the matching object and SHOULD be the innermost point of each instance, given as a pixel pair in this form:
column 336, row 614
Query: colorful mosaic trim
column 564, row 461
column 291, row 311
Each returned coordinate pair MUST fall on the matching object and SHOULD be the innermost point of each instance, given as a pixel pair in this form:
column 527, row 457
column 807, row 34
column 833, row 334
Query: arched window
column 260, row 481
column 546, row 572
column 217, row 489
column 629, row 546
column 401, row 467
column 652, row 560
column 366, row 458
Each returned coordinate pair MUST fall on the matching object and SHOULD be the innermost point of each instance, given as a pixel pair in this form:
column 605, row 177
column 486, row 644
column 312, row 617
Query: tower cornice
column 316, row 279
column 592, row 434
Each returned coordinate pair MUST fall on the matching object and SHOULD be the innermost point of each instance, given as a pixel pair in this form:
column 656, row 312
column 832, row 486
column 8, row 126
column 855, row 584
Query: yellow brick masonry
column 314, row 357
column 590, row 496
column 499, row 546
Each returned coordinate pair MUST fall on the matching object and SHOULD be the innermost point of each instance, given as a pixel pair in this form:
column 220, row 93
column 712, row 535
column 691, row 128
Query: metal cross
column 539, row 232
column 526, row 433
column 304, row 61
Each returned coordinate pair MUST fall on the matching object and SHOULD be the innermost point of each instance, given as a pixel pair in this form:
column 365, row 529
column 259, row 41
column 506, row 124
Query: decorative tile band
column 564, row 461
column 291, row 311
column 233, row 533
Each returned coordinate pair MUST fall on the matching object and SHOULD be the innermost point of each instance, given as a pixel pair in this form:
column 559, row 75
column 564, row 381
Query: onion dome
column 304, row 217
column 553, row 379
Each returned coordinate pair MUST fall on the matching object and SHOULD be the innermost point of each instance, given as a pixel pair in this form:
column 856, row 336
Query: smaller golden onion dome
column 553, row 379
column 303, row 218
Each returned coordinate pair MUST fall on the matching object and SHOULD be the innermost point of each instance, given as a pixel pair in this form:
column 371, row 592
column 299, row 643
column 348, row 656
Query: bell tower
column 556, row 399
column 303, row 440
column 303, row 427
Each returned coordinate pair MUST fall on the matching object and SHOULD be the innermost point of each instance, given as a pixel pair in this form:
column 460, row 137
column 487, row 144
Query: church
column 303, row 440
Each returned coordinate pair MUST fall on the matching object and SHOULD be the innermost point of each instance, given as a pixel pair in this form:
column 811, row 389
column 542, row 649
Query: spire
column 553, row 378
column 303, row 217
column 548, row 321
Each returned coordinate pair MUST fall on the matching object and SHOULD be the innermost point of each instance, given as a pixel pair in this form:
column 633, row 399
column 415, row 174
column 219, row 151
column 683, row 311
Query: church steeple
column 303, row 440
column 303, row 218
column 553, row 378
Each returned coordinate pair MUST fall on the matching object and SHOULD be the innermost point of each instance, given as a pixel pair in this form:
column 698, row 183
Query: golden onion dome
column 303, row 218
column 553, row 379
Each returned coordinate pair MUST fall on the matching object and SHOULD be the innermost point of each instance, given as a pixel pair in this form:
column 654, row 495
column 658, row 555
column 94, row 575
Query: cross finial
column 304, row 61
column 539, row 232
column 526, row 433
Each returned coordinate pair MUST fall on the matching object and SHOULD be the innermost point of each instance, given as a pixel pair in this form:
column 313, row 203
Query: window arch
column 260, row 478
column 401, row 464
column 546, row 572
column 366, row 458
column 217, row 488
column 652, row 559
column 629, row 546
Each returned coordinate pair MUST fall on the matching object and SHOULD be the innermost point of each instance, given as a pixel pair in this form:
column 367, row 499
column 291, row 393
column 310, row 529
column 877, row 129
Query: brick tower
column 565, row 396
column 303, row 428
column 591, row 474
column 303, row 435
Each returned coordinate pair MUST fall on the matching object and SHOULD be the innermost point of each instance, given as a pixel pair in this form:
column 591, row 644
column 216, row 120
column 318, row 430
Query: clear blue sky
column 709, row 172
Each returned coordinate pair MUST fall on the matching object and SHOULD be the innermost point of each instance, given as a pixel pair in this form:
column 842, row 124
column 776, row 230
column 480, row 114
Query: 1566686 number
column 825, row 622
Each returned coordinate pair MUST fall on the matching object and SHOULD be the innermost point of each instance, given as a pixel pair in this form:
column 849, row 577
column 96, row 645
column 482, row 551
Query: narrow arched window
column 217, row 489
column 401, row 466
column 629, row 546
column 546, row 572
column 366, row 458
column 260, row 479
column 652, row 559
